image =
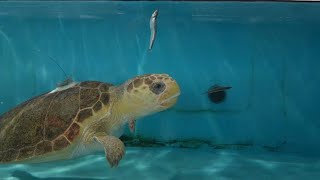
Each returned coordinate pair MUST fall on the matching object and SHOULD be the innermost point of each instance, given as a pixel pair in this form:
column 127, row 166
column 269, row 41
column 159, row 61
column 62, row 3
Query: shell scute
column 60, row 143
column 72, row 132
column 9, row 155
column 97, row 106
column 26, row 127
column 61, row 114
column 105, row 87
column 88, row 97
column 43, row 147
column 84, row 114
column 26, row 152
column 105, row 97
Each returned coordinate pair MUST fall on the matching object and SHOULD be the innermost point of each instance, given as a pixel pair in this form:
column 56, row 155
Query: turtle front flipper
column 132, row 125
column 113, row 148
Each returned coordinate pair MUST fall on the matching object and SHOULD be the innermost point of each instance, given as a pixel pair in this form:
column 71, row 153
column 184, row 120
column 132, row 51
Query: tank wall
column 272, row 64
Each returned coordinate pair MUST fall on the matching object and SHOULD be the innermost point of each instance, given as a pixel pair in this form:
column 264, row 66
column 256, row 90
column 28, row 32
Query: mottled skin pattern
column 82, row 118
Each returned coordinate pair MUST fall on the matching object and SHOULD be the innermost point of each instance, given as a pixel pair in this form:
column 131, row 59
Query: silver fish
column 153, row 28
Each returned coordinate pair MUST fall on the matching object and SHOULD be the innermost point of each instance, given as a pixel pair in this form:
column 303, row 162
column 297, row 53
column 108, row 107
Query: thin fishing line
column 53, row 60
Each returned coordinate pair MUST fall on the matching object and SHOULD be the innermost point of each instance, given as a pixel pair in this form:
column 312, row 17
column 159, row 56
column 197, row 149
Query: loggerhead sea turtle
column 80, row 119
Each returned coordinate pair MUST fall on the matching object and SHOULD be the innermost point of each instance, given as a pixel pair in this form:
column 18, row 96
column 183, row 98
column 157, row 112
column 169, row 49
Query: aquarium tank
column 159, row 90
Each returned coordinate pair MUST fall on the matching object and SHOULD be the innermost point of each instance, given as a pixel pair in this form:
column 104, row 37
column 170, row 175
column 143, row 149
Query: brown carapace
column 49, row 122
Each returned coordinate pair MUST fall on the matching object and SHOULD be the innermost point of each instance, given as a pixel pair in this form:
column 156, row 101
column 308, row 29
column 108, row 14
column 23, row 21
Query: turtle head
column 150, row 93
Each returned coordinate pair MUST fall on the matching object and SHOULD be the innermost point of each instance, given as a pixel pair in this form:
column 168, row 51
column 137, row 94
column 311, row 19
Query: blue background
column 268, row 54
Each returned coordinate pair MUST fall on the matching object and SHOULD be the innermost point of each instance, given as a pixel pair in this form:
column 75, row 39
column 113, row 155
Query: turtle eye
column 158, row 87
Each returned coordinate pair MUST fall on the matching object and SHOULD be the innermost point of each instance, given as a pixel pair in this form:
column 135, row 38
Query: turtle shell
column 49, row 122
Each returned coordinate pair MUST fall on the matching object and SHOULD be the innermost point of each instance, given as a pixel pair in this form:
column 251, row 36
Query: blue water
column 268, row 52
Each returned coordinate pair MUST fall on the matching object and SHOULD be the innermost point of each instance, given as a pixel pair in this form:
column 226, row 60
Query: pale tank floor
column 173, row 164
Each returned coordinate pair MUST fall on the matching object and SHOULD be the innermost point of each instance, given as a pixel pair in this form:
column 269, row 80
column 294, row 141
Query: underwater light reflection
column 218, row 164
column 265, row 164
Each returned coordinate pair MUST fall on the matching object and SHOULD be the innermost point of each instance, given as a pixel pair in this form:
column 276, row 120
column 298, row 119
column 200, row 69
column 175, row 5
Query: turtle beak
column 170, row 101
column 170, row 96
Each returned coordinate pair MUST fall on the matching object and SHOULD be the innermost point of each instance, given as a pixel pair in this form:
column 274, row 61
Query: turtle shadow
column 23, row 175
